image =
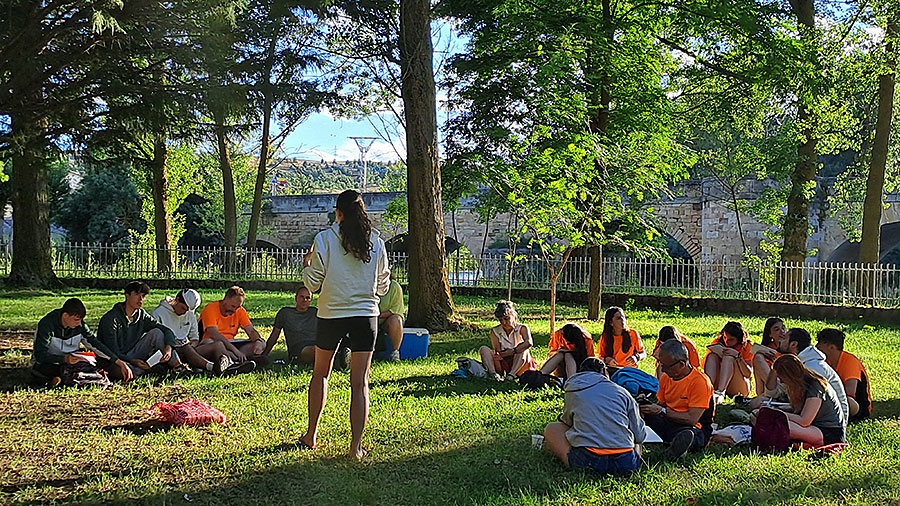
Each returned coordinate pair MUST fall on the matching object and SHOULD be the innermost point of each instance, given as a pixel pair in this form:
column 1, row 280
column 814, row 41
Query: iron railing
column 828, row 283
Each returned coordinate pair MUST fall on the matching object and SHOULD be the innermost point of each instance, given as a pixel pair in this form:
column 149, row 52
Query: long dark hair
column 356, row 227
column 575, row 335
column 608, row 332
column 734, row 329
column 767, row 339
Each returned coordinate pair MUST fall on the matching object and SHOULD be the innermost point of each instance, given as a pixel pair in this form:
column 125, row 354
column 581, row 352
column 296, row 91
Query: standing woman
column 619, row 345
column 348, row 262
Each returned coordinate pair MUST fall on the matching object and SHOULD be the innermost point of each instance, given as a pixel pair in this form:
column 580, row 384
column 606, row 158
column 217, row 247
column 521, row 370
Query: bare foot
column 303, row 442
column 359, row 455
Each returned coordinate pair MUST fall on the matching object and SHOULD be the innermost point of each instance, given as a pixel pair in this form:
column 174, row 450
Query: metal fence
column 829, row 283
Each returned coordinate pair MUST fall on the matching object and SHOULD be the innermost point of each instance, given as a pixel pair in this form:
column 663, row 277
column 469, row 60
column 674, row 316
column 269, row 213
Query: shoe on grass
column 395, row 356
column 680, row 444
column 719, row 396
column 222, row 364
column 240, row 368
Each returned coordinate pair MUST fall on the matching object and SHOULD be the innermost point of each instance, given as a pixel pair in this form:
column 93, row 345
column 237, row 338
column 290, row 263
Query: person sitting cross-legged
column 510, row 344
column 299, row 326
column 58, row 340
column 683, row 416
column 179, row 314
column 130, row 336
column 600, row 428
column 851, row 371
column 670, row 332
column 220, row 322
column 569, row 346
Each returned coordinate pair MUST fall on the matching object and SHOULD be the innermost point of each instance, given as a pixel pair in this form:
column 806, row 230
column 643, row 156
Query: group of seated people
column 131, row 342
column 822, row 387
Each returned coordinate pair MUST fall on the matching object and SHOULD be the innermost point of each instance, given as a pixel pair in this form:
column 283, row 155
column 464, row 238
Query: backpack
column 83, row 374
column 472, row 367
column 635, row 381
column 771, row 432
column 535, row 380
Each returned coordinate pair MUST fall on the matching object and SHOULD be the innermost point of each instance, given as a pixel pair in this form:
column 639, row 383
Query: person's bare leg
column 726, row 369
column 393, row 325
column 318, row 394
column 487, row 358
column 212, row 350
column 308, row 354
column 252, row 349
column 571, row 366
column 811, row 434
column 556, row 443
column 854, row 406
column 360, row 362
column 738, row 384
column 189, row 355
column 711, row 368
column 552, row 363
column 761, row 371
column 519, row 361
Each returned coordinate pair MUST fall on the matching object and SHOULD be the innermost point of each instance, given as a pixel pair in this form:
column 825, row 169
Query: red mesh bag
column 188, row 412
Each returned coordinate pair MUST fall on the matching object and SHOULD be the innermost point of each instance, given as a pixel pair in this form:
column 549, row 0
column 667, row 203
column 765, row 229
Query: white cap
column 191, row 298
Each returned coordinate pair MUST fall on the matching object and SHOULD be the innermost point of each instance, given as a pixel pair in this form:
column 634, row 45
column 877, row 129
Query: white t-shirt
column 184, row 327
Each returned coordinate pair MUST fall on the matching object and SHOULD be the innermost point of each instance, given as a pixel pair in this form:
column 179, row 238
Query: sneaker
column 222, row 364
column 740, row 400
column 342, row 361
column 719, row 396
column 240, row 368
column 395, row 356
column 259, row 360
column 680, row 444
column 510, row 378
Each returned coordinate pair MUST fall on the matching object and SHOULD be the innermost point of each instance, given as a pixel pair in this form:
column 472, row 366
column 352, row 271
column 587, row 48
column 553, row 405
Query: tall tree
column 430, row 304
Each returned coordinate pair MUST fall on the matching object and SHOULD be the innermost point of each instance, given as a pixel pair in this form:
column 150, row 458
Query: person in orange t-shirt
column 850, row 369
column 670, row 332
column 684, row 413
column 727, row 361
column 569, row 346
column 220, row 322
column 619, row 345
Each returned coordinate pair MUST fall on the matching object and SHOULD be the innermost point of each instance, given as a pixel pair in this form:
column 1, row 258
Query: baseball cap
column 191, row 298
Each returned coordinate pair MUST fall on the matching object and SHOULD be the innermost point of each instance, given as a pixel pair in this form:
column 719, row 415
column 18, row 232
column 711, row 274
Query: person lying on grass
column 851, row 371
column 798, row 342
column 773, row 331
column 510, row 342
column 817, row 418
column 569, row 346
column 684, row 413
column 600, row 428
column 58, row 340
column 670, row 332
column 220, row 322
column 129, row 337
column 619, row 345
column 727, row 361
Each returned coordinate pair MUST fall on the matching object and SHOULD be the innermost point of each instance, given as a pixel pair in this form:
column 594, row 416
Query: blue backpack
column 635, row 381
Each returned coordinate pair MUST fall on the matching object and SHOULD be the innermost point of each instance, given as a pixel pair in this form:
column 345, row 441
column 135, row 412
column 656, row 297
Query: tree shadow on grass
column 886, row 409
column 442, row 386
column 140, row 428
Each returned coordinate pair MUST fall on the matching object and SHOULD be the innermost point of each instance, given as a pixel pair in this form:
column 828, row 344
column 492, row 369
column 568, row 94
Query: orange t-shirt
column 618, row 354
column 558, row 342
column 693, row 391
column 693, row 356
column 850, row 367
column 744, row 350
column 228, row 326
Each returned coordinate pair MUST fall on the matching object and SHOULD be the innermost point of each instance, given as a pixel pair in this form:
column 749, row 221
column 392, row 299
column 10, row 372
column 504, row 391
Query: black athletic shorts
column 359, row 332
column 831, row 435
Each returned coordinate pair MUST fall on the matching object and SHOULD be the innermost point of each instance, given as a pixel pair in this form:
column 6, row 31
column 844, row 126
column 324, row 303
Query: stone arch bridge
column 699, row 218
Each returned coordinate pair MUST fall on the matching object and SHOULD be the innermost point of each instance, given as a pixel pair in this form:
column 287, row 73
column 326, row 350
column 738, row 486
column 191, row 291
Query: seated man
column 600, row 428
column 179, row 314
column 797, row 341
column 390, row 320
column 851, row 371
column 299, row 325
column 220, row 322
column 683, row 417
column 130, row 336
column 58, row 340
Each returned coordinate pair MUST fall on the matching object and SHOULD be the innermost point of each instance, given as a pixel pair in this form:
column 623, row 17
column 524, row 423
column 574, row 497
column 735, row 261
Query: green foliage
column 394, row 179
column 104, row 207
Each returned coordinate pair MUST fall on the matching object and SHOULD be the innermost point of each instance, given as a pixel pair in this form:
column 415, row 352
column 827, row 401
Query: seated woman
column 727, row 361
column 510, row 342
column 817, row 417
column 599, row 429
column 569, row 346
column 773, row 331
column 670, row 332
column 619, row 345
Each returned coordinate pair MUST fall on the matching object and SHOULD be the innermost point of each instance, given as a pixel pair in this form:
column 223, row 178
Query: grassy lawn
column 433, row 439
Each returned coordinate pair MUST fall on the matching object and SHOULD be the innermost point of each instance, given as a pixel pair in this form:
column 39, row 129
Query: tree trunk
column 228, row 199
column 31, row 260
column 430, row 303
column 600, row 98
column 256, row 208
column 870, row 247
column 796, row 222
column 159, row 188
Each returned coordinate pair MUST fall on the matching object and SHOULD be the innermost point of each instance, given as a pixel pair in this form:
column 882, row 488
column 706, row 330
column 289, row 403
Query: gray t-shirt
column 829, row 415
column 299, row 328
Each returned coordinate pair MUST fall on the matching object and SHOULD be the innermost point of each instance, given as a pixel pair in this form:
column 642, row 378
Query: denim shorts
column 618, row 463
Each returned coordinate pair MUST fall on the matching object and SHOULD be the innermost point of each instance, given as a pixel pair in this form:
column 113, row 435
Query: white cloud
column 380, row 151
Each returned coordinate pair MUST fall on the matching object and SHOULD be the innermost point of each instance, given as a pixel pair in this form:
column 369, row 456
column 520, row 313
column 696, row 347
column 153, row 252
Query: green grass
column 433, row 439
